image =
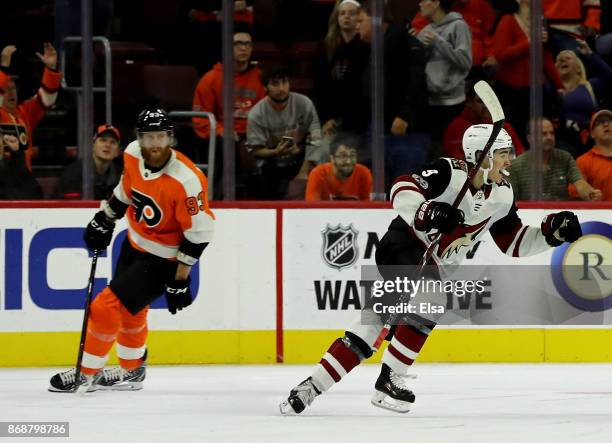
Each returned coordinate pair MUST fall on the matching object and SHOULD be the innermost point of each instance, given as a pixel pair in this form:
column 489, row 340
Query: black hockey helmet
column 155, row 119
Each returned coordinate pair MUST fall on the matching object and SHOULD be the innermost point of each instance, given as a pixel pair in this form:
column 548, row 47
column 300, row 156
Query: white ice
column 454, row 403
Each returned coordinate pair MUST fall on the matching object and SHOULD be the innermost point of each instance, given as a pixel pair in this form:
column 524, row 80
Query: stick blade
column 488, row 97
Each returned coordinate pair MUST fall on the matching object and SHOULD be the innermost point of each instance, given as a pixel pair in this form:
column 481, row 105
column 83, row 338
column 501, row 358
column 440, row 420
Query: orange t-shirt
column 165, row 206
column 324, row 185
column 596, row 168
column 208, row 97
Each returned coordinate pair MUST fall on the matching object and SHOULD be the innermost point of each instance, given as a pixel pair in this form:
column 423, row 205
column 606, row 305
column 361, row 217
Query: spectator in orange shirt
column 342, row 178
column 21, row 119
column 248, row 90
column 596, row 164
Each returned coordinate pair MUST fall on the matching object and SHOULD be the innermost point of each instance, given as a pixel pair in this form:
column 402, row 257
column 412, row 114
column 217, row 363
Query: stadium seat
column 173, row 86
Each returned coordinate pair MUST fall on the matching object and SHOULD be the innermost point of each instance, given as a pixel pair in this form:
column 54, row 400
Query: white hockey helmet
column 475, row 138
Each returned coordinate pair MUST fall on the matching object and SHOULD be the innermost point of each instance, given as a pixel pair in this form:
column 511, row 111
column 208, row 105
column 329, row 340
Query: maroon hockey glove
column 178, row 294
column 99, row 232
column 561, row 227
column 437, row 215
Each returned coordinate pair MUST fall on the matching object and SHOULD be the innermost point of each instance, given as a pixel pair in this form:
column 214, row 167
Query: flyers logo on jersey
column 146, row 209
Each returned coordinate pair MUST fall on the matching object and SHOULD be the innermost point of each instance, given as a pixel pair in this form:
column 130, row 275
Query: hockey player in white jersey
column 424, row 204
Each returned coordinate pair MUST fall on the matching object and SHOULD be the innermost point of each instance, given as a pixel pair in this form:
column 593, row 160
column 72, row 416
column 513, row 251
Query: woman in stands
column 339, row 72
column 582, row 93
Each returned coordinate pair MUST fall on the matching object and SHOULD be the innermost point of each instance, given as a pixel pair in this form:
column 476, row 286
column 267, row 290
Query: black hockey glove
column 561, row 227
column 437, row 215
column 178, row 294
column 99, row 232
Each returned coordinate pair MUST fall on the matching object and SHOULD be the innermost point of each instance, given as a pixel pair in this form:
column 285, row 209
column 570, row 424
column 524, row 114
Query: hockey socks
column 342, row 356
column 110, row 321
column 405, row 347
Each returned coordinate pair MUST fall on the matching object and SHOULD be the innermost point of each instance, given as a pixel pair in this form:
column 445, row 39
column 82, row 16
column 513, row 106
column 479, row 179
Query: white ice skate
column 299, row 398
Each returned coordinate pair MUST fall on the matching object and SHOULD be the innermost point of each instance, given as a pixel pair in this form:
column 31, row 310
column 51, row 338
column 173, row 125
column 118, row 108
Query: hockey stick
column 488, row 97
column 78, row 388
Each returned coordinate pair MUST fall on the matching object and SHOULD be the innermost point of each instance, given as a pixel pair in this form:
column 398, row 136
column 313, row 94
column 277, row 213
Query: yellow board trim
column 476, row 345
column 165, row 347
column 306, row 347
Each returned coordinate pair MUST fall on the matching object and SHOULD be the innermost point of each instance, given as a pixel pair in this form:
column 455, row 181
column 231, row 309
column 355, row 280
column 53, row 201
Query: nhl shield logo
column 339, row 246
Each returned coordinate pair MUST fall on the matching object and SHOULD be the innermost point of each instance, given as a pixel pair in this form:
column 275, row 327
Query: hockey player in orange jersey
column 170, row 224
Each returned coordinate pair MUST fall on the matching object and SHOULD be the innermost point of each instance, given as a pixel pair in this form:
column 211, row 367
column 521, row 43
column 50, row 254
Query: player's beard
column 156, row 157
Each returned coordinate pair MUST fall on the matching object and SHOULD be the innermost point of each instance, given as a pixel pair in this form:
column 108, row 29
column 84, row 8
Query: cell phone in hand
column 287, row 139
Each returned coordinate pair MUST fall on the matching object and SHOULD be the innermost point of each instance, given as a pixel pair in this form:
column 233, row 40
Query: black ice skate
column 391, row 391
column 299, row 397
column 66, row 382
column 119, row 379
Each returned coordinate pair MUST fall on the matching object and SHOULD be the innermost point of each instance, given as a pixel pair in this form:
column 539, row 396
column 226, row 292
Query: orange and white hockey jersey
column 168, row 211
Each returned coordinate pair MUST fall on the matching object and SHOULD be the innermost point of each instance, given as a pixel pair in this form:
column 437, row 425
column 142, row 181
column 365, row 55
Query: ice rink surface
column 454, row 403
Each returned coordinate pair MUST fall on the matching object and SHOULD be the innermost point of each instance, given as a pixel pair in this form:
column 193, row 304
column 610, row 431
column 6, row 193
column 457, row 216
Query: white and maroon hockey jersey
column 490, row 208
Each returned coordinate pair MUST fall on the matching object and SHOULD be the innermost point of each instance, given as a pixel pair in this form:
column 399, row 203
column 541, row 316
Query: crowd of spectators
column 314, row 143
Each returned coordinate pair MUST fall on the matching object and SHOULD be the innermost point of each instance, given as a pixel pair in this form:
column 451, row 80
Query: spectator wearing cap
column 20, row 119
column 342, row 178
column 106, row 172
column 596, row 164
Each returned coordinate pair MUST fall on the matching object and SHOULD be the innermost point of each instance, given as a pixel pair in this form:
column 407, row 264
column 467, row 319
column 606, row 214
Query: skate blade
column 286, row 408
column 127, row 386
column 59, row 391
column 382, row 400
